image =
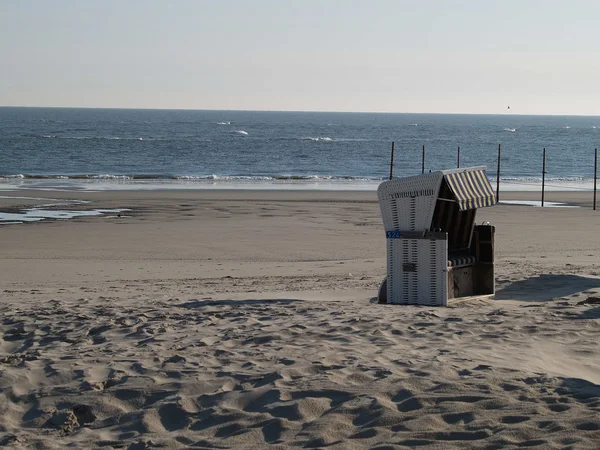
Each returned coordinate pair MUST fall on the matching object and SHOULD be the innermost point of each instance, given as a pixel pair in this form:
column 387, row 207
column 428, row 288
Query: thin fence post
column 543, row 174
column 458, row 159
column 595, row 174
column 392, row 161
column 498, row 175
column 423, row 161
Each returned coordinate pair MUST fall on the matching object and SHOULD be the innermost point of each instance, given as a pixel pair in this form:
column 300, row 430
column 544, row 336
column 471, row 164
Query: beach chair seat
column 461, row 261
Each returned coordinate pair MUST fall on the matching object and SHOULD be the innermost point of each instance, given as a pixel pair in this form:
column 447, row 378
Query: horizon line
column 297, row 111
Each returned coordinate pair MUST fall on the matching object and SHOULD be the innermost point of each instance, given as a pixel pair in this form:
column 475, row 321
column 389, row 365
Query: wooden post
column 498, row 175
column 595, row 174
column 543, row 174
column 458, row 159
column 423, row 160
column 392, row 161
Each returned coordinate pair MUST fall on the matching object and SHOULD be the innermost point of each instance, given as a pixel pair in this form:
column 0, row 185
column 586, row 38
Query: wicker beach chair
column 435, row 252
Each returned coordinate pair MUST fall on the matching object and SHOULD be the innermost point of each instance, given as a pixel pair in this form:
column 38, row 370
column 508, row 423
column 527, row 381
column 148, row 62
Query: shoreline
column 309, row 184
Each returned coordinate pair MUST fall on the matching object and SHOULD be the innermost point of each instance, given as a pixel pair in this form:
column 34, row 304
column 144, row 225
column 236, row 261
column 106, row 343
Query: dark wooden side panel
column 483, row 243
column 477, row 279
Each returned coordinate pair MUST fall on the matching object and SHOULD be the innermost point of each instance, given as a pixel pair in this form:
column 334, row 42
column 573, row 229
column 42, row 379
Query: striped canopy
column 471, row 188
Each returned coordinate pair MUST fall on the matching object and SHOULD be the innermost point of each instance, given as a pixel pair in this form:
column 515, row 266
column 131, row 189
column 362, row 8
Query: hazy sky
column 472, row 56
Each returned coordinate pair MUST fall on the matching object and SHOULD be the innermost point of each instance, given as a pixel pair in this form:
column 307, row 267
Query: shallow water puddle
column 538, row 203
column 39, row 213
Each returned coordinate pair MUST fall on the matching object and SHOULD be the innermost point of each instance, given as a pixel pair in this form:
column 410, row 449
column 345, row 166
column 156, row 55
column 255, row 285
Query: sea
column 103, row 149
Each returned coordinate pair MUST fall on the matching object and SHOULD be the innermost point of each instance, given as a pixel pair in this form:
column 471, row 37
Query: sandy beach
column 247, row 319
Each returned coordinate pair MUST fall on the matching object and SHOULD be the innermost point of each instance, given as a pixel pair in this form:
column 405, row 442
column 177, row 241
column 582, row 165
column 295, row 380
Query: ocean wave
column 84, row 176
column 191, row 178
column 254, row 177
column 323, row 139
column 512, row 130
column 316, row 139
column 196, row 139
column 108, row 138
column 277, row 178
column 550, row 179
column 133, row 139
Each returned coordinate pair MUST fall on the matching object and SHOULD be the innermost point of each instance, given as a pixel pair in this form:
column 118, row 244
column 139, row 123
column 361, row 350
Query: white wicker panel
column 433, row 272
column 407, row 204
column 402, row 285
column 425, row 286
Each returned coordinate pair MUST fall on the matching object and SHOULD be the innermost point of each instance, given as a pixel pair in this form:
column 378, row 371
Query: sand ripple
column 118, row 372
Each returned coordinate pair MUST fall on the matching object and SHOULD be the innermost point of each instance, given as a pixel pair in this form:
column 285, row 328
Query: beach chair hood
column 408, row 203
column 470, row 187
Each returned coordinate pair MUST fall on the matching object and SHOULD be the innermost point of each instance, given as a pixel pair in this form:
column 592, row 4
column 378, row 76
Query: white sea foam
column 111, row 138
column 242, row 132
column 259, row 182
column 223, row 123
column 110, row 177
column 328, row 139
column 512, row 130
column 565, row 184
